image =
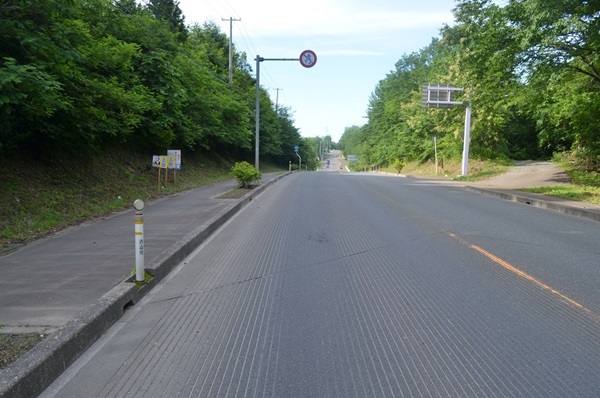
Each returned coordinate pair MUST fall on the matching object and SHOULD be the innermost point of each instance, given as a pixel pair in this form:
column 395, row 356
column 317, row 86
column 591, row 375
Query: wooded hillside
column 89, row 75
column 530, row 70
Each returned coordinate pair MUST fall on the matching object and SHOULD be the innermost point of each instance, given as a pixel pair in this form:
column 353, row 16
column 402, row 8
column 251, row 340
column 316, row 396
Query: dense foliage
column 87, row 75
column 531, row 72
column 245, row 174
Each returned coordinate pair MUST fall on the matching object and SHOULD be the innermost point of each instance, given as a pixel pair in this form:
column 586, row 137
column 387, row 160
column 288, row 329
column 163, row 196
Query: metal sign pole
column 442, row 98
column 257, row 116
column 465, row 159
column 435, row 153
column 308, row 59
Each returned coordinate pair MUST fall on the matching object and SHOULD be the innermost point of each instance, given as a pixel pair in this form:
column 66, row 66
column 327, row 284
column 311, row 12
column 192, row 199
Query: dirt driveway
column 527, row 173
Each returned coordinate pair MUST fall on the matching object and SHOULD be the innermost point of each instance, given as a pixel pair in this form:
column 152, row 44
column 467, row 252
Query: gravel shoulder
column 525, row 174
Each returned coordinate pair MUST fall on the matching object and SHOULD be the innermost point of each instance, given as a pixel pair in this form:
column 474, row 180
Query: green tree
column 350, row 140
column 559, row 59
column 89, row 79
column 169, row 11
column 398, row 125
column 564, row 33
column 486, row 48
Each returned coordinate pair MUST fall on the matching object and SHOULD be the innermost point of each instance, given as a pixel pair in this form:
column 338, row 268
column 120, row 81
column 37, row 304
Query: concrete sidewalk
column 74, row 285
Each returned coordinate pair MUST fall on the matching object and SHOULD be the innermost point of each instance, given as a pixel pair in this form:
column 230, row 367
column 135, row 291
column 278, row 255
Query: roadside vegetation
column 451, row 169
column 43, row 198
column 584, row 187
column 12, row 346
column 103, row 75
column 531, row 78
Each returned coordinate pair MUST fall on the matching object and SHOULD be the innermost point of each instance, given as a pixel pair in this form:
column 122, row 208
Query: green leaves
column 29, row 86
column 530, row 72
column 245, row 174
column 27, row 93
column 86, row 75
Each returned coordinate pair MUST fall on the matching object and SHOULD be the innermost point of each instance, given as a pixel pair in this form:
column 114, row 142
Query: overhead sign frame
column 439, row 96
column 442, row 96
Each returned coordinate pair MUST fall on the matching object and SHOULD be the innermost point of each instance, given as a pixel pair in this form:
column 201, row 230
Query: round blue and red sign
column 308, row 58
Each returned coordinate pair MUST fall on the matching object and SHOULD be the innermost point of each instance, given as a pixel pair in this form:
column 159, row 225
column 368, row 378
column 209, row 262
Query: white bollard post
column 138, row 205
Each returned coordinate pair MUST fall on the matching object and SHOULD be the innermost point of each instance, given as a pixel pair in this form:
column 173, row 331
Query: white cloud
column 268, row 18
column 351, row 52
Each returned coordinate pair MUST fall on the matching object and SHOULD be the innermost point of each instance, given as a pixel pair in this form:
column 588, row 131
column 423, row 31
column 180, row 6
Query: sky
column 357, row 44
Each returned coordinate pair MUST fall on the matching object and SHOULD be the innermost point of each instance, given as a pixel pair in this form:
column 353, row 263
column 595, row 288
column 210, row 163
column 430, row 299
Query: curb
column 542, row 203
column 34, row 371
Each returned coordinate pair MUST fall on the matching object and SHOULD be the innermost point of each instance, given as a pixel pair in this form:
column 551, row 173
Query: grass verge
column 237, row 193
column 12, row 346
column 572, row 192
column 478, row 170
column 584, row 187
column 38, row 199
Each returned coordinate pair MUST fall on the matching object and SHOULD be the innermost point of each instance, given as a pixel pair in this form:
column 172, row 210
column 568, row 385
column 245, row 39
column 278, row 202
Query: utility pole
column 231, row 20
column 277, row 101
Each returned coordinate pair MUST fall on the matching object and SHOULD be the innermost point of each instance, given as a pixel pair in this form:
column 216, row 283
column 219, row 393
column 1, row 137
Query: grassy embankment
column 584, row 187
column 38, row 199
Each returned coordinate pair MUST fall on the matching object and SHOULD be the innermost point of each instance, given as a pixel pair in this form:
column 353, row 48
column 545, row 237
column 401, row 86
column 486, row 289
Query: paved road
column 335, row 162
column 333, row 284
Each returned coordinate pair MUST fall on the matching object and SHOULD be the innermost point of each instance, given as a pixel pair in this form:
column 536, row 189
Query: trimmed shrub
column 245, row 174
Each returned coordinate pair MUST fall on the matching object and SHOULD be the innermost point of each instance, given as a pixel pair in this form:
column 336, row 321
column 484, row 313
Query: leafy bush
column 398, row 165
column 245, row 174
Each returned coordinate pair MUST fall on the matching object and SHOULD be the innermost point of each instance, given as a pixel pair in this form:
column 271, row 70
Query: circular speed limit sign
column 308, row 58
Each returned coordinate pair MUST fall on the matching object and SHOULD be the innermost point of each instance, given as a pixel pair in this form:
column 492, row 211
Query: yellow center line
column 522, row 274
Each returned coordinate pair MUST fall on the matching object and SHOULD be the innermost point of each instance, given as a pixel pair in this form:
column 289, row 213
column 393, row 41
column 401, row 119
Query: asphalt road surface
column 335, row 162
column 342, row 285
